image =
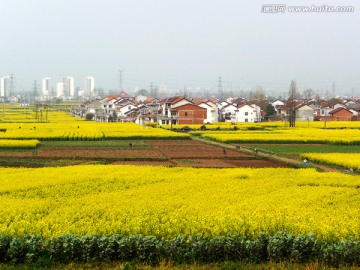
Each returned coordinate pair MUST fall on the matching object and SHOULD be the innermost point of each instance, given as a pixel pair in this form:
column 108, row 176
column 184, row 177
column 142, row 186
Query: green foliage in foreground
column 169, row 266
column 281, row 247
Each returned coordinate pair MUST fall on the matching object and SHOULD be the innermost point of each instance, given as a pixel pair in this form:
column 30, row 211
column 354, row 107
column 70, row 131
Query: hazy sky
column 180, row 42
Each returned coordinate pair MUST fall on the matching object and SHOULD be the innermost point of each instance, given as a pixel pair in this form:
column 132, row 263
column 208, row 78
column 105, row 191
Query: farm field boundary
column 162, row 152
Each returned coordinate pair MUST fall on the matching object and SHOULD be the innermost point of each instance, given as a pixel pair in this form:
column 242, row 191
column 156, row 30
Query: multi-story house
column 180, row 110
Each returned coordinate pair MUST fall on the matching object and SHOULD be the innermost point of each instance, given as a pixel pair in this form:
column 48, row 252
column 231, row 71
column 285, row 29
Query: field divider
column 288, row 161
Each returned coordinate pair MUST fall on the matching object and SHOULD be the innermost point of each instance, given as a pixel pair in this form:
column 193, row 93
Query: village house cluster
column 180, row 110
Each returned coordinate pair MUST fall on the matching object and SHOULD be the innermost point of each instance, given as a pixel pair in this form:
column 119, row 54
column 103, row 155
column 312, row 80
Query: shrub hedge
column 193, row 249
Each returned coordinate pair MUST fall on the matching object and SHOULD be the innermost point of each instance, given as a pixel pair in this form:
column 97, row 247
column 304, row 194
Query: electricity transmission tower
column 220, row 90
column 11, row 89
column 35, row 90
column 120, row 79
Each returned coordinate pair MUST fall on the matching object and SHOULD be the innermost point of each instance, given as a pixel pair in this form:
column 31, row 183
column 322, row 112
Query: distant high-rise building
column 4, row 86
column 60, row 90
column 46, row 86
column 69, row 88
column 89, row 86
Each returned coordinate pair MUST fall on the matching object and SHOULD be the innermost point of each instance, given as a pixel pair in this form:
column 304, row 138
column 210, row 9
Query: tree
column 258, row 97
column 89, row 116
column 143, row 92
column 291, row 103
column 308, row 94
column 270, row 111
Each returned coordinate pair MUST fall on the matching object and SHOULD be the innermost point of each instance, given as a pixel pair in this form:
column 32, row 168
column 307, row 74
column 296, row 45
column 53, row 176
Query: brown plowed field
column 194, row 149
column 189, row 153
column 96, row 152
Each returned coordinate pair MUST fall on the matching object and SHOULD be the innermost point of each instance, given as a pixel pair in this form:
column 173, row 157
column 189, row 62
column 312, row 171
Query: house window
column 246, row 120
column 173, row 113
column 129, row 107
column 163, row 122
column 246, row 113
column 186, row 113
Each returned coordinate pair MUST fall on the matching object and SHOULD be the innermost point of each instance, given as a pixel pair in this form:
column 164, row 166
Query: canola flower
column 19, row 143
column 19, row 114
column 84, row 130
column 288, row 135
column 105, row 200
column 346, row 160
column 267, row 125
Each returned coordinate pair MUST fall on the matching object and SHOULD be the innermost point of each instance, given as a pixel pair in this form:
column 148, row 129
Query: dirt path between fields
column 285, row 160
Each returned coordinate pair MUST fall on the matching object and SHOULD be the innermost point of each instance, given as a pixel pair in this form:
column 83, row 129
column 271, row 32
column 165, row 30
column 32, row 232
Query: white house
column 124, row 108
column 305, row 113
column 354, row 112
column 257, row 111
column 108, row 104
column 140, row 98
column 223, row 104
column 212, row 113
column 277, row 103
column 279, row 107
column 228, row 112
column 245, row 113
column 172, row 103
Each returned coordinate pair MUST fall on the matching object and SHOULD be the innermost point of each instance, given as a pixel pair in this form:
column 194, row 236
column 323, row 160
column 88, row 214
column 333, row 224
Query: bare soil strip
column 274, row 158
column 170, row 153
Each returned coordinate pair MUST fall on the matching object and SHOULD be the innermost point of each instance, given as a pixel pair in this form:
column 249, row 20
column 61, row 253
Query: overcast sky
column 180, row 42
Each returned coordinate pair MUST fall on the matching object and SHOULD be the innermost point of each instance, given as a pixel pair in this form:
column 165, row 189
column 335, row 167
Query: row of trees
column 259, row 96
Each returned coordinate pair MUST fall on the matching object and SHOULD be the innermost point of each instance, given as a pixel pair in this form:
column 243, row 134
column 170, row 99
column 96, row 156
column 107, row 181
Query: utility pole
column 333, row 90
column 35, row 87
column 11, row 92
column 64, row 88
column 11, row 85
column 3, row 110
column 151, row 90
column 291, row 104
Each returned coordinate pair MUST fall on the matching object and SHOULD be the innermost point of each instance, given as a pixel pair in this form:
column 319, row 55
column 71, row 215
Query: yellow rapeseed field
column 347, row 160
column 275, row 124
column 19, row 143
column 288, row 135
column 84, row 130
column 100, row 199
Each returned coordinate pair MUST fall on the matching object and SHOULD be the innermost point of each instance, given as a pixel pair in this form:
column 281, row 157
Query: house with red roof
column 189, row 114
column 180, row 111
column 212, row 112
column 340, row 114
